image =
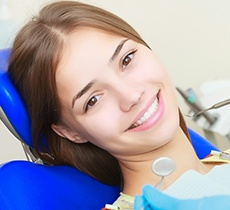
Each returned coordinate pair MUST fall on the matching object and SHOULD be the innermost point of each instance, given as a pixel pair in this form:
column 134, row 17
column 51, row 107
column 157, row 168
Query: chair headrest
column 12, row 110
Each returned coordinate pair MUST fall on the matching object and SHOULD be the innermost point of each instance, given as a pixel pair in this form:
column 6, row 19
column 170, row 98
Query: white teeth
column 147, row 114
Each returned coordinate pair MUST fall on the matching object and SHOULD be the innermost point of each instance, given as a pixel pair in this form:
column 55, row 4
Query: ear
column 67, row 133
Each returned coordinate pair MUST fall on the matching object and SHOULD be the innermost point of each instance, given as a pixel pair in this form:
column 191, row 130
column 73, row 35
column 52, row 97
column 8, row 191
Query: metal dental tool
column 163, row 166
column 198, row 108
column 215, row 106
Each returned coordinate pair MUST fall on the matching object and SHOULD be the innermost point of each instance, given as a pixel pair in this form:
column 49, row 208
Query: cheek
column 156, row 72
column 102, row 128
column 151, row 67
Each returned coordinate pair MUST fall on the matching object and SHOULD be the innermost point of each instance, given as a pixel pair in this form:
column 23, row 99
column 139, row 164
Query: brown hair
column 35, row 55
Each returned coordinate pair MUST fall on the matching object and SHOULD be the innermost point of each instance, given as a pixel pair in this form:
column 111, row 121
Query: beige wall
column 192, row 38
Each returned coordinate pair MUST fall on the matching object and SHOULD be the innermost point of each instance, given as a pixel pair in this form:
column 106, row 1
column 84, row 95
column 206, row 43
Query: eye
column 92, row 101
column 127, row 59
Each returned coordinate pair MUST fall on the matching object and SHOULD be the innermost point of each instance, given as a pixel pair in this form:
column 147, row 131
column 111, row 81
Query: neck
column 138, row 173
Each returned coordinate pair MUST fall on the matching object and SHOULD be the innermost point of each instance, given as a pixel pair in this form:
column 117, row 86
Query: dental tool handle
column 215, row 106
column 220, row 104
column 158, row 185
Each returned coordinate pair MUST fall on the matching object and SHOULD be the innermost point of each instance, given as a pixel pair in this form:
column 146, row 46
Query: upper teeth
column 147, row 114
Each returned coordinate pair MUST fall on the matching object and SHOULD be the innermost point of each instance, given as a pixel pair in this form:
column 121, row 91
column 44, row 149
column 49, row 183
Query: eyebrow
column 82, row 92
column 118, row 49
column 89, row 85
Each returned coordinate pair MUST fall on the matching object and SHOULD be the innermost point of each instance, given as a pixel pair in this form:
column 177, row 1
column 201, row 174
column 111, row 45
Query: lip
column 154, row 118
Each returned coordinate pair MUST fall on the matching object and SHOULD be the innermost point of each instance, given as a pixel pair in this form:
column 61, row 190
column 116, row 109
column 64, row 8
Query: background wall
column 192, row 39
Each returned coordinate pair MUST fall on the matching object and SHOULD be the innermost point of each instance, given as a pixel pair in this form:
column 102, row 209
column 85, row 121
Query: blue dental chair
column 26, row 185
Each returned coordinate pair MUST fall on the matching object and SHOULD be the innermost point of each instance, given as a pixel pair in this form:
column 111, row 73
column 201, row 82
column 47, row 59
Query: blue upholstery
column 25, row 185
column 201, row 145
column 29, row 186
column 13, row 108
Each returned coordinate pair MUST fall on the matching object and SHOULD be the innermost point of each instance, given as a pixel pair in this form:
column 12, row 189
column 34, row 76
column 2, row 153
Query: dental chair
column 26, row 185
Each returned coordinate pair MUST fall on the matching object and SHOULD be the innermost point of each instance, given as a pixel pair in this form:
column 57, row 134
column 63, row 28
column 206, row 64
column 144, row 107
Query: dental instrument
column 222, row 155
column 215, row 106
column 163, row 167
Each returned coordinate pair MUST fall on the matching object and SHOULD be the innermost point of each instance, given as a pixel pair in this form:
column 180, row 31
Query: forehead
column 86, row 44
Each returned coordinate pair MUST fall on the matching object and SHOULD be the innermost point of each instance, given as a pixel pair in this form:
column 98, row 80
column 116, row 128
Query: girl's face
column 114, row 93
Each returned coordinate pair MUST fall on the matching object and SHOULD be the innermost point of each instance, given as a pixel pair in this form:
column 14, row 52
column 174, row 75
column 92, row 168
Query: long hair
column 36, row 53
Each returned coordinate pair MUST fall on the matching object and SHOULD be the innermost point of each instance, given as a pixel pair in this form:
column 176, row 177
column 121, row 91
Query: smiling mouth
column 149, row 113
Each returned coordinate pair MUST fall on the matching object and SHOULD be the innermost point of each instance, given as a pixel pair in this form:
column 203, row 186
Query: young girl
column 100, row 97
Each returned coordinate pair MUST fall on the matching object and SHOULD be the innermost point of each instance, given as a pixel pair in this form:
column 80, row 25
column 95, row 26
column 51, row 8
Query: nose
column 129, row 95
